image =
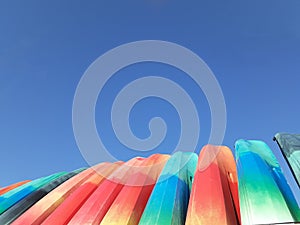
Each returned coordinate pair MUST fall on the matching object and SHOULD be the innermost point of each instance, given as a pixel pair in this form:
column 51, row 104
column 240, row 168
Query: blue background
column 252, row 47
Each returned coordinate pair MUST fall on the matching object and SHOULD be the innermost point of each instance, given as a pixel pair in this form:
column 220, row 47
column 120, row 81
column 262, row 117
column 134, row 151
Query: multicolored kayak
column 265, row 196
column 132, row 199
column 44, row 207
column 169, row 199
column 214, row 197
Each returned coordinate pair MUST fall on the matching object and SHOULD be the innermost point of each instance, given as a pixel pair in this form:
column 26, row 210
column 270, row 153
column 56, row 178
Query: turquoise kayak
column 169, row 199
column 265, row 196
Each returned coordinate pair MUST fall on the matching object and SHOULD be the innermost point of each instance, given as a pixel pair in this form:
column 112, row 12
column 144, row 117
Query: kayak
column 265, row 196
column 96, row 206
column 290, row 147
column 214, row 196
column 66, row 210
column 129, row 205
column 169, row 199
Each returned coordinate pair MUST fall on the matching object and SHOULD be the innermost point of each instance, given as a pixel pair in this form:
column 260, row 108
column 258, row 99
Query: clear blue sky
column 252, row 47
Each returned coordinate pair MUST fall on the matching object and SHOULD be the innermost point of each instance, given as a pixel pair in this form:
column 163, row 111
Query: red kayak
column 131, row 201
column 214, row 197
column 96, row 206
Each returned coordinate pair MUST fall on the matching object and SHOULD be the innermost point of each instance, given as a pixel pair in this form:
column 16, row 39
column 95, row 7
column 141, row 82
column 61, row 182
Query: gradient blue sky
column 252, row 47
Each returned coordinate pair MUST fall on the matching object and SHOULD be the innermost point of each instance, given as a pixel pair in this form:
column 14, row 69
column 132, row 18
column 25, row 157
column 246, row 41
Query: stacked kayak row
column 183, row 188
